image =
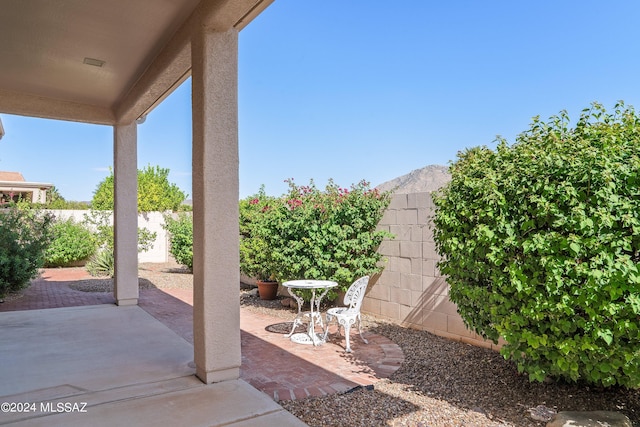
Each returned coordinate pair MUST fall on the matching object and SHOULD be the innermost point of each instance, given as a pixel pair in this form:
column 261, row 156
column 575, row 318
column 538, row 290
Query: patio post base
column 218, row 376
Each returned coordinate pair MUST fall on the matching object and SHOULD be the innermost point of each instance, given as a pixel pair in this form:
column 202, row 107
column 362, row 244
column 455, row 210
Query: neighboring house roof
column 14, row 181
column 11, row 176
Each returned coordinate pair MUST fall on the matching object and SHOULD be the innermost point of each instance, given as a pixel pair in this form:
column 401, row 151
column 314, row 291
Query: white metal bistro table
column 315, row 317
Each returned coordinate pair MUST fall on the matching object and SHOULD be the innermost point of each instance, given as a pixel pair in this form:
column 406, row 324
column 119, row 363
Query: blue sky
column 372, row 90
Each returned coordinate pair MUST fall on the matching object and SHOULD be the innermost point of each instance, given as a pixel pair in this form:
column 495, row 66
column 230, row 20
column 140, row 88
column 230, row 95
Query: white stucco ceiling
column 44, row 43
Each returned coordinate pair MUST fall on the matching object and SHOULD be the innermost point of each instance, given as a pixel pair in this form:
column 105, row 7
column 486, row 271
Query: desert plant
column 24, row 237
column 101, row 263
column 71, row 242
column 180, row 238
column 541, row 246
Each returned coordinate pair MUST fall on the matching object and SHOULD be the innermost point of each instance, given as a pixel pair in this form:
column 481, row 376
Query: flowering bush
column 313, row 234
column 255, row 257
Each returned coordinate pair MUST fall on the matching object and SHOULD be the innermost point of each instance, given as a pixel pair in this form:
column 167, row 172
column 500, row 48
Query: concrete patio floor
column 104, row 365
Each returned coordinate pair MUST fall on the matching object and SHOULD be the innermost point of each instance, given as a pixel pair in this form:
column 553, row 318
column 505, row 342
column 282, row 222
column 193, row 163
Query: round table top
column 309, row 284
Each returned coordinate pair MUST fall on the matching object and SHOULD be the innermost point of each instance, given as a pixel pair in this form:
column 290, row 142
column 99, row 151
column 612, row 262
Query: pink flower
column 254, row 201
column 294, row 203
column 374, row 193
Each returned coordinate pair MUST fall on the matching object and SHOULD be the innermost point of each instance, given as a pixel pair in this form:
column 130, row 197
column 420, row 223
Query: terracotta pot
column 267, row 290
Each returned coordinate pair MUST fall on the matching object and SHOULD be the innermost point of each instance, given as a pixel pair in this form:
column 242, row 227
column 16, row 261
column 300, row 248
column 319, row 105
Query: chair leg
column 328, row 320
column 347, row 330
column 360, row 329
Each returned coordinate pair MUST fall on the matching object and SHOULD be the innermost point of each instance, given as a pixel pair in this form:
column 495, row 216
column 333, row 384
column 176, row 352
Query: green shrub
column 256, row 259
column 313, row 234
column 72, row 242
column 101, row 263
column 541, row 246
column 66, row 205
column 180, row 238
column 24, row 237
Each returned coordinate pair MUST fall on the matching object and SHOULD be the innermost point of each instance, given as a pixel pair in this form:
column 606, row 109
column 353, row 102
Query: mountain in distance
column 425, row 180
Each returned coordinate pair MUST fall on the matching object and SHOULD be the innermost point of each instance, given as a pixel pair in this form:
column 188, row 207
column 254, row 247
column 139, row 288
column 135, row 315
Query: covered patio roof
column 110, row 63
column 103, row 62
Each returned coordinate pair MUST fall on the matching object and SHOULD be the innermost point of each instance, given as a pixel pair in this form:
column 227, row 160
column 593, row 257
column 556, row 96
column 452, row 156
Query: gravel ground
column 441, row 383
column 446, row 383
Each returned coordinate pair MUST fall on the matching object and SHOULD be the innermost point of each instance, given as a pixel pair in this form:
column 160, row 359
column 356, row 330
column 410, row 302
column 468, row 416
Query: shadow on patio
column 125, row 363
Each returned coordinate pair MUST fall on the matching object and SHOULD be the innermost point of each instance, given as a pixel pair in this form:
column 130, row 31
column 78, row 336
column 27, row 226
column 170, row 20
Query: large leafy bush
column 71, row 242
column 314, row 234
column 541, row 244
column 24, row 237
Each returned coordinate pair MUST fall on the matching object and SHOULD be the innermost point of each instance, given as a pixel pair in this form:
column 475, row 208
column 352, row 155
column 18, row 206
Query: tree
column 103, row 195
column 56, row 201
column 54, row 196
column 540, row 243
column 155, row 192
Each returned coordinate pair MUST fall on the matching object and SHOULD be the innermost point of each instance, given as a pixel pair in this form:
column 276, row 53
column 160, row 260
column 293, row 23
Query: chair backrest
column 355, row 294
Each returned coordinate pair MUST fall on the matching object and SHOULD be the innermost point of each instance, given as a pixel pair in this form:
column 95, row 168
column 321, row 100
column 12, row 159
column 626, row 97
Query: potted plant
column 255, row 261
column 255, row 256
column 267, row 289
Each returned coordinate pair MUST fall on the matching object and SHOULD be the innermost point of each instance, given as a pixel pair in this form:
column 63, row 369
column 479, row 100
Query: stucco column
column 125, row 214
column 216, row 276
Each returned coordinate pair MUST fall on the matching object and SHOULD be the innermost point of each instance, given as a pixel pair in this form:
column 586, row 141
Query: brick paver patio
column 270, row 362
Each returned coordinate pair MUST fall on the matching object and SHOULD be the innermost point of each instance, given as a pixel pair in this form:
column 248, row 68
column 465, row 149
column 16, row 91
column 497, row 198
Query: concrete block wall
column 411, row 291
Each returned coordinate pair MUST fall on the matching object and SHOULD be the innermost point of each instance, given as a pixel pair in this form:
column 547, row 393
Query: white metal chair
column 347, row 316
